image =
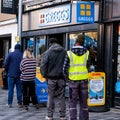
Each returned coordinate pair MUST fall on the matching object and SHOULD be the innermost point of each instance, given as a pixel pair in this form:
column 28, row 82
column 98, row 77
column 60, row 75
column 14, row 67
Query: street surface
column 16, row 113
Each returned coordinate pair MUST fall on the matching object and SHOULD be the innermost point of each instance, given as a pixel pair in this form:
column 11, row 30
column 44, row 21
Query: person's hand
column 46, row 80
column 66, row 78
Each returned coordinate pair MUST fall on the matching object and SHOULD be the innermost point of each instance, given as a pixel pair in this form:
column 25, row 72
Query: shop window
column 118, row 61
column 30, row 43
column 40, row 48
column 72, row 38
column 90, row 44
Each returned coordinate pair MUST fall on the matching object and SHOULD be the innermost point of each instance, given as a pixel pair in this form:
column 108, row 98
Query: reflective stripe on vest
column 78, row 69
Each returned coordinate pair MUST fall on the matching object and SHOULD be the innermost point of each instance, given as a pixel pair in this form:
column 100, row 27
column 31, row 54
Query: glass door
column 40, row 48
column 117, row 96
column 90, row 44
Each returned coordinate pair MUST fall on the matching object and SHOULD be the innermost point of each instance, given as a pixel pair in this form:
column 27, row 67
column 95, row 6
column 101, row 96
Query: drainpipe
column 20, row 21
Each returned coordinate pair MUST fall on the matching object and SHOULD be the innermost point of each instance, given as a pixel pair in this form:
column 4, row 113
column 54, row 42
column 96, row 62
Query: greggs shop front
column 61, row 21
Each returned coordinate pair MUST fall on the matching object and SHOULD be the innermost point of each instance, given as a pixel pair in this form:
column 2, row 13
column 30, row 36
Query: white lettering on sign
column 55, row 15
column 90, row 19
column 7, row 3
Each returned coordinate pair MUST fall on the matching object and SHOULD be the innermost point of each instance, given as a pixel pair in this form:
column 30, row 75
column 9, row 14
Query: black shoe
column 4, row 88
column 63, row 118
column 37, row 106
column 20, row 105
column 26, row 108
column 48, row 118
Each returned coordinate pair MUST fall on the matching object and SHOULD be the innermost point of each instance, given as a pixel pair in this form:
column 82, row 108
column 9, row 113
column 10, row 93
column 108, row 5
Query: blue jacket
column 12, row 63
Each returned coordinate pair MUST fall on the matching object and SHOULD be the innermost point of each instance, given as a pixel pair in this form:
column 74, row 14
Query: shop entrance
column 4, row 50
column 117, row 95
column 60, row 37
column 90, row 44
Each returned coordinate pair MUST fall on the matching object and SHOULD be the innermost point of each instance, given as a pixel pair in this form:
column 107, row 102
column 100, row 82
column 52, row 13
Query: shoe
column 9, row 105
column 20, row 105
column 4, row 88
column 48, row 118
column 37, row 106
column 26, row 108
column 63, row 118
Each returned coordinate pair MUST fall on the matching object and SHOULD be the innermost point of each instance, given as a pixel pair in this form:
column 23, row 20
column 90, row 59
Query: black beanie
column 53, row 40
column 18, row 46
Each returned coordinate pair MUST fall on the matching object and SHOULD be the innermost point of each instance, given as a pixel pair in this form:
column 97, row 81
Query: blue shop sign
column 85, row 12
column 56, row 15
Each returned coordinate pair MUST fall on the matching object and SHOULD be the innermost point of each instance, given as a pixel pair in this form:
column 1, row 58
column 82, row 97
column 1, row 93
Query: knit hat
column 53, row 40
column 18, row 46
column 80, row 39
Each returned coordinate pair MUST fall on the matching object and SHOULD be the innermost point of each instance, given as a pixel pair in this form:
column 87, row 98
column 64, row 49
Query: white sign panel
column 56, row 15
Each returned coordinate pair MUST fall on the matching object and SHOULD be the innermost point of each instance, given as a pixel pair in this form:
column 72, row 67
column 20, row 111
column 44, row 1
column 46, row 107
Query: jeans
column 11, row 84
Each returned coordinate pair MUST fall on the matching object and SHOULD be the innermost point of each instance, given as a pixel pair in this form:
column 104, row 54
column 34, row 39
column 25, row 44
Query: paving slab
column 16, row 113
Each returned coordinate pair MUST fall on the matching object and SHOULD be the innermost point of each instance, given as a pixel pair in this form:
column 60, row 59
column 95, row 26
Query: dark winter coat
column 12, row 63
column 52, row 62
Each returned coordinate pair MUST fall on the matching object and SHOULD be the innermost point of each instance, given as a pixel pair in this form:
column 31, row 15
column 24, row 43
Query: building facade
column 8, row 31
column 45, row 19
column 110, row 26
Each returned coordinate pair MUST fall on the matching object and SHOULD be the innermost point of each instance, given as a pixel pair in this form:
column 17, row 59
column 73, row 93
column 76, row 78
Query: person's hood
column 18, row 46
column 79, row 50
column 56, row 47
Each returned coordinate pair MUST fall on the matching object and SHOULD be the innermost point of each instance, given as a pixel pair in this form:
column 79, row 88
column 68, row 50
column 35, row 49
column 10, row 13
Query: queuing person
column 75, row 71
column 11, row 64
column 51, row 68
column 28, row 74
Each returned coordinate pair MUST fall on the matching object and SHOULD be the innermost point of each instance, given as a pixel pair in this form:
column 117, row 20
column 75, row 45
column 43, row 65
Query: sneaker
column 9, row 105
column 20, row 105
column 37, row 106
column 48, row 118
column 26, row 108
column 63, row 118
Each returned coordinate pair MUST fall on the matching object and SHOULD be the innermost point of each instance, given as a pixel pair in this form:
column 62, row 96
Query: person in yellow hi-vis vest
column 75, row 70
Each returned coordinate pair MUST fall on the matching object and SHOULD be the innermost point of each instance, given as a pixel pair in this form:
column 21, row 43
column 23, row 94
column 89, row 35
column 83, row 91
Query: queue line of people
column 21, row 70
column 57, row 66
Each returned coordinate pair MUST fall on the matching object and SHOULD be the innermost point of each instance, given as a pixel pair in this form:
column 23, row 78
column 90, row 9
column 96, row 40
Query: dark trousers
column 78, row 91
column 59, row 87
column 28, row 90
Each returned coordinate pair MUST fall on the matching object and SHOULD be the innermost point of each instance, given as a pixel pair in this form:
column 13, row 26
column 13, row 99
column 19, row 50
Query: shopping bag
column 4, row 74
column 117, row 87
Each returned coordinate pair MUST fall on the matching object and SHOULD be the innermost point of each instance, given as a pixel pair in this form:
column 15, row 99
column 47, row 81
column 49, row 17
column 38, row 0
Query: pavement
column 16, row 113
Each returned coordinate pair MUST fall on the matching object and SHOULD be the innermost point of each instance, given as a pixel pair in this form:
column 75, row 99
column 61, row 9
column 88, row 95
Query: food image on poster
column 96, row 90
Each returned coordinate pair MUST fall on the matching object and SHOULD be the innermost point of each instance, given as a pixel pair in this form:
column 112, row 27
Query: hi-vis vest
column 78, row 69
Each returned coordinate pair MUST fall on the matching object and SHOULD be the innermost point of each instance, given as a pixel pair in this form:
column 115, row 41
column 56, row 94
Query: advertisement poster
column 41, row 87
column 96, row 89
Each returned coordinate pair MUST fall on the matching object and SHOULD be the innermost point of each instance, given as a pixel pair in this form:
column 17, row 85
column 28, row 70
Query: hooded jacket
column 52, row 62
column 12, row 62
